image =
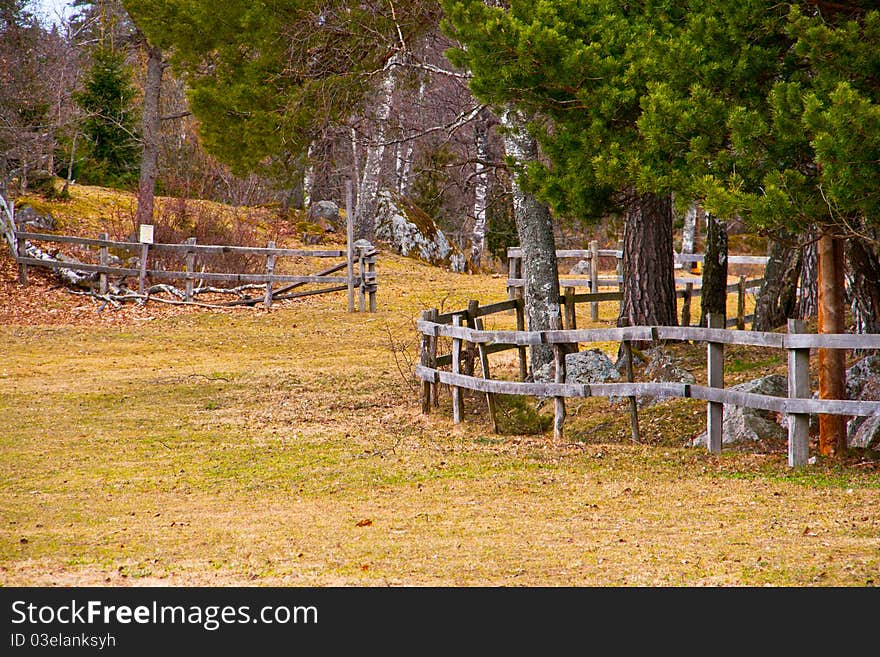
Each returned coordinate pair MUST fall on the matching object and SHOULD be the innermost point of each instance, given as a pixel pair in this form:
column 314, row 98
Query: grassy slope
column 286, row 447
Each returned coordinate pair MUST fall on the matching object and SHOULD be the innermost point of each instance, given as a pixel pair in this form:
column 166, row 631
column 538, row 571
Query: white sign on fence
column 146, row 236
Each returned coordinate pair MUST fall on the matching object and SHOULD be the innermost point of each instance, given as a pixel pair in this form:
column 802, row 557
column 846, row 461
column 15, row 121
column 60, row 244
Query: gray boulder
column 744, row 425
column 662, row 367
column 863, row 383
column 32, row 220
column 326, row 215
column 411, row 232
column 590, row 366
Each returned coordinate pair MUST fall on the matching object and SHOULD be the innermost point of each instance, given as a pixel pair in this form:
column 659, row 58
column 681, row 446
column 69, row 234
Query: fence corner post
column 798, row 388
column 715, row 365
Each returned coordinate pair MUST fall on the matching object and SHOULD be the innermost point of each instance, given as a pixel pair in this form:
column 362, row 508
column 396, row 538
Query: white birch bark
column 481, row 190
column 365, row 214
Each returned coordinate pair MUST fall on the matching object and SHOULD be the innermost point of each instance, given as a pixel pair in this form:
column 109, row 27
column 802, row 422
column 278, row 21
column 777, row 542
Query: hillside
column 178, row 445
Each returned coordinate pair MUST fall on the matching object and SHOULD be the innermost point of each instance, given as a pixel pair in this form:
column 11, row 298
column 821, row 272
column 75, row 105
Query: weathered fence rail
column 464, row 329
column 686, row 288
column 360, row 274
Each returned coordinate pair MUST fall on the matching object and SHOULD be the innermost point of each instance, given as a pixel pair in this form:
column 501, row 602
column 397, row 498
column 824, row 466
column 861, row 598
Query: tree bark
column 713, row 293
column 808, row 288
column 648, row 263
column 365, row 213
column 689, row 232
column 150, row 135
column 777, row 298
column 832, row 363
column 534, row 227
column 481, row 189
column 863, row 285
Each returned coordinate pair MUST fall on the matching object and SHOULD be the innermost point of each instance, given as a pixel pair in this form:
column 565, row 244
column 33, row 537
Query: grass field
column 177, row 446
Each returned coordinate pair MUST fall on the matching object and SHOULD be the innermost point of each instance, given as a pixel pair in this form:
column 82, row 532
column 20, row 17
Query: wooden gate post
column 741, row 304
column 145, row 254
column 630, row 377
column 432, row 359
column 514, row 270
column 570, row 309
column 477, row 323
column 715, row 410
column 798, row 388
column 594, row 278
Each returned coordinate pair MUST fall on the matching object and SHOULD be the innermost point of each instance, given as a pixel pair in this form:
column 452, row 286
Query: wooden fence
column 686, row 288
column 359, row 264
column 465, row 329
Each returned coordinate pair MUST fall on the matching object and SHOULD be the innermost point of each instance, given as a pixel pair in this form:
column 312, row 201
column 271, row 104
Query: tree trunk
column 832, row 363
column 777, row 298
column 365, row 214
column 534, row 227
column 481, row 188
column 863, row 286
column 689, row 232
column 713, row 293
column 150, row 136
column 808, row 289
column 648, row 263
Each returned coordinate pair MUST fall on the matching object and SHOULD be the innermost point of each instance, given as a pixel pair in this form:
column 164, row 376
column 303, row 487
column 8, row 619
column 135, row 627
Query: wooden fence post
column 570, row 317
column 686, row 297
column 741, row 304
column 371, row 281
column 362, row 289
column 432, row 359
column 426, row 362
column 715, row 410
column 514, row 270
column 270, row 269
column 349, row 241
column 104, row 261
column 620, row 274
column 21, row 252
column 457, row 402
column 190, row 264
column 559, row 362
column 594, row 278
column 145, row 254
column 521, row 326
column 477, row 323
column 798, row 388
column 630, row 377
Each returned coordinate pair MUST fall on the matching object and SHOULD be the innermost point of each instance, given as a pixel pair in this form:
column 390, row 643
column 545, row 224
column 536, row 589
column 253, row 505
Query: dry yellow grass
column 286, row 447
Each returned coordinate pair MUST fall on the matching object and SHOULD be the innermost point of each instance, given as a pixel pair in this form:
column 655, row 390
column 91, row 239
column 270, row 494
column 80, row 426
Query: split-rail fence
column 465, row 330
column 686, row 288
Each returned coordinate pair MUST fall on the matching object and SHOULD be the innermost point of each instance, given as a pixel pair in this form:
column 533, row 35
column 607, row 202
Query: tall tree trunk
column 777, row 298
column 808, row 288
column 832, row 363
column 365, row 214
column 534, row 227
column 481, row 188
column 689, row 231
column 648, row 263
column 150, row 135
column 863, row 285
column 713, row 292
